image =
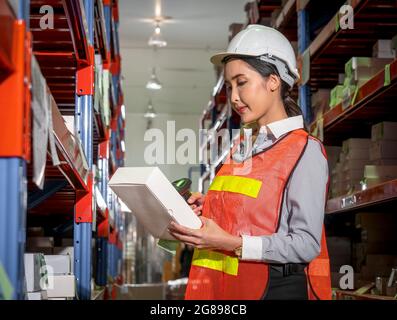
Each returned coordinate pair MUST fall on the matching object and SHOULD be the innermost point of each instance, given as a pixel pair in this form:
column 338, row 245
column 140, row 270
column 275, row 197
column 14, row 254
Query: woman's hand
column 210, row 236
column 196, row 202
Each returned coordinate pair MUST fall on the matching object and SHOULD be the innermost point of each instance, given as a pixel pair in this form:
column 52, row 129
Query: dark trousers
column 281, row 286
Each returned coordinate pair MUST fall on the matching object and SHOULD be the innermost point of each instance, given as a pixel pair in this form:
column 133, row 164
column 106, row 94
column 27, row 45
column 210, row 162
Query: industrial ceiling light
column 150, row 112
column 153, row 83
column 156, row 40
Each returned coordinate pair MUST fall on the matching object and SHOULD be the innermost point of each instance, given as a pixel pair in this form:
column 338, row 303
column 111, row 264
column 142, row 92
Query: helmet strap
column 281, row 68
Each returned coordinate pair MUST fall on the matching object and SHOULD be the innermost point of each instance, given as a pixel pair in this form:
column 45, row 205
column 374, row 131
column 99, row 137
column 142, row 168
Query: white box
column 383, row 49
column 32, row 263
column 61, row 286
column 58, row 264
column 382, row 45
column 39, row 295
column 152, row 199
column 66, row 251
column 384, row 131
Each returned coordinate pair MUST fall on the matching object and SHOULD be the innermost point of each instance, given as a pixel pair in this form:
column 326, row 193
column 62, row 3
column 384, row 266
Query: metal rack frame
column 66, row 58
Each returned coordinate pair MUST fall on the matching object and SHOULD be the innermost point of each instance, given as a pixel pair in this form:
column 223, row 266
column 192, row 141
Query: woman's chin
column 245, row 118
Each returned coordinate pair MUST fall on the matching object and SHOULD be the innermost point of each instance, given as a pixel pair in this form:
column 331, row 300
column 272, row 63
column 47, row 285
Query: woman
column 262, row 234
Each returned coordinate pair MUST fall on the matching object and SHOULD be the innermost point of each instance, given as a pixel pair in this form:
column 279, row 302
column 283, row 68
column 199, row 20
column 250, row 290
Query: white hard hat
column 267, row 44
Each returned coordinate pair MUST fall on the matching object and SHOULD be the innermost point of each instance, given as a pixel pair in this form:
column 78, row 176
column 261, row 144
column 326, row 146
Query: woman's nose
column 234, row 96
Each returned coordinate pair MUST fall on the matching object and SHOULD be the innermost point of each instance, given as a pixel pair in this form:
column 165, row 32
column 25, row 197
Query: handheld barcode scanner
column 183, row 187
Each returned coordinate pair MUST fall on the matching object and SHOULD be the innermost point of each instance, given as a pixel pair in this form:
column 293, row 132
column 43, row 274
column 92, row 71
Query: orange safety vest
column 250, row 203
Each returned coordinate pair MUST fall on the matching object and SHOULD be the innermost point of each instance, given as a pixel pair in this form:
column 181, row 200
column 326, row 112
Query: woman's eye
column 241, row 83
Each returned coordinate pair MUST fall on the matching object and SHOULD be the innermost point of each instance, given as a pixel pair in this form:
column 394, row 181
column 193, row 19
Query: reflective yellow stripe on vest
column 246, row 186
column 215, row 261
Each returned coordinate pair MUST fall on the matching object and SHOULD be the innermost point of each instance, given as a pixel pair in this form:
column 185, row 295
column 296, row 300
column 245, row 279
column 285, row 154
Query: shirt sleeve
column 305, row 198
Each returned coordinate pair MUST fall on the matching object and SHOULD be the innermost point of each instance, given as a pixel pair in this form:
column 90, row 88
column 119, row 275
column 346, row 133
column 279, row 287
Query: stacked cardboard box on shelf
column 320, row 102
column 358, row 70
column 383, row 149
column 56, row 262
column 383, row 49
column 376, row 254
column 34, row 265
column 349, row 170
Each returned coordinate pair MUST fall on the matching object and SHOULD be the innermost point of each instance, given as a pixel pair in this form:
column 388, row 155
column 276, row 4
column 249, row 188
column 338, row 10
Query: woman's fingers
column 196, row 196
column 197, row 210
column 177, row 228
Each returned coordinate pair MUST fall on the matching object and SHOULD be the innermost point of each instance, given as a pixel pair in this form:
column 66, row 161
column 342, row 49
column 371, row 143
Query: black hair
column 266, row 69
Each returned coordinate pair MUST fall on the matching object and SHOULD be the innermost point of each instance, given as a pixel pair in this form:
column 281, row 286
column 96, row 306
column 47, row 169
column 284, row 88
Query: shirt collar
column 281, row 127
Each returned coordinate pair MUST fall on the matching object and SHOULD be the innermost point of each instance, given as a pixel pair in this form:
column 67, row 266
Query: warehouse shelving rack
column 72, row 192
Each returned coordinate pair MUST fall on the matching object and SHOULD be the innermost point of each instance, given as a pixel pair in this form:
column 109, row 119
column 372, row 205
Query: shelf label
column 387, row 75
column 348, row 201
column 337, row 26
column 305, row 67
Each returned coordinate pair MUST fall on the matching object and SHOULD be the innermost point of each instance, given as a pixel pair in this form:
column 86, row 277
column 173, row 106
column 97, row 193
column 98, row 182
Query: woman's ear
column 273, row 83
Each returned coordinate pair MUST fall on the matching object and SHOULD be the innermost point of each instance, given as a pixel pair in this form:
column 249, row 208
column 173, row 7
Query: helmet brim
column 217, row 59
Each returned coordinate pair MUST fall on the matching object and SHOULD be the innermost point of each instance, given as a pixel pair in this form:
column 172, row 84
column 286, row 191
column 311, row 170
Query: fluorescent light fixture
column 153, row 83
column 156, row 40
column 123, row 111
column 150, row 112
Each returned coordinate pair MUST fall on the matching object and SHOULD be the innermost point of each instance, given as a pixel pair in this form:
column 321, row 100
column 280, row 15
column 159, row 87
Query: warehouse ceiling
column 198, row 28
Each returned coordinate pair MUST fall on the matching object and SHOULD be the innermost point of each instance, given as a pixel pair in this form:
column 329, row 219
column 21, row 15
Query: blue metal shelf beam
column 84, row 119
column 303, row 44
column 13, row 194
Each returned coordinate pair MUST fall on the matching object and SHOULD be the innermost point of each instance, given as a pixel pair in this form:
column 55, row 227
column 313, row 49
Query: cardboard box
column 373, row 260
column 61, row 286
column 384, row 131
column 379, row 233
column 356, row 154
column 66, row 251
column 384, row 162
column 35, row 232
column 336, row 95
column 40, row 242
column 393, row 44
column 383, row 149
column 45, row 250
column 383, row 172
column 356, row 62
column 354, row 175
column 152, row 199
column 66, row 242
column 320, row 99
column 33, row 264
column 58, row 264
column 355, row 164
column 370, row 219
column 355, row 143
column 383, row 49
column 382, row 45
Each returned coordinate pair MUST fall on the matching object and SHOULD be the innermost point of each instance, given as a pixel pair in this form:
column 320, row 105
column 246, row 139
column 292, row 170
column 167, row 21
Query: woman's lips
column 242, row 109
